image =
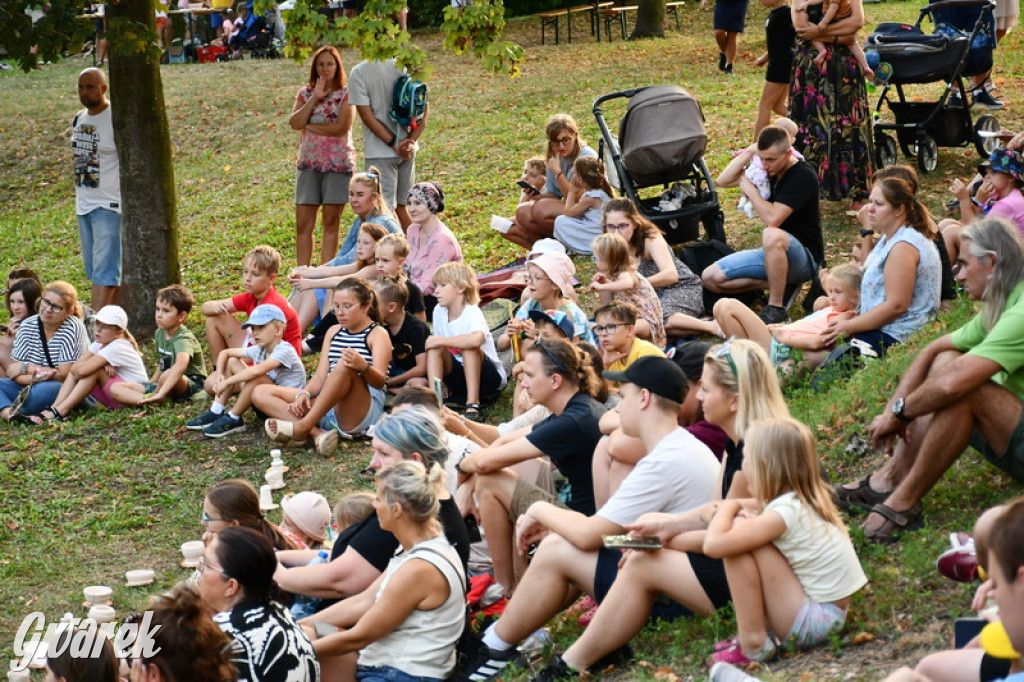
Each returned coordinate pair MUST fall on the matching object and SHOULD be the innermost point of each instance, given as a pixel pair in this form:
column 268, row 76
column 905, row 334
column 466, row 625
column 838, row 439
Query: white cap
column 113, row 315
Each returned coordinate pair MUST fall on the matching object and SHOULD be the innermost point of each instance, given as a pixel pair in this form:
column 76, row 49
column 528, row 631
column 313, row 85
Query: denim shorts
column 377, row 396
column 815, row 622
column 750, row 264
column 100, row 233
column 314, row 188
column 385, row 673
column 396, row 178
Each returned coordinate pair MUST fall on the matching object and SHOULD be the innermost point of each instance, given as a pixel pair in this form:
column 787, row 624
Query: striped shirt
column 67, row 345
column 345, row 339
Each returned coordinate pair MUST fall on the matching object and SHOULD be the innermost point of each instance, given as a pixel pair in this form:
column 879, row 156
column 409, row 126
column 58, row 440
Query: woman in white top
column 409, row 620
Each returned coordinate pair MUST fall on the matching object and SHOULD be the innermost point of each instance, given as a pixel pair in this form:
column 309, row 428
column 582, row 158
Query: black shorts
column 714, row 584
column 490, row 381
column 779, row 72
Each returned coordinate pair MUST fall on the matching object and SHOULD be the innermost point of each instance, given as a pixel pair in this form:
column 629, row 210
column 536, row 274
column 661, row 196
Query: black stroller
column 947, row 55
column 661, row 144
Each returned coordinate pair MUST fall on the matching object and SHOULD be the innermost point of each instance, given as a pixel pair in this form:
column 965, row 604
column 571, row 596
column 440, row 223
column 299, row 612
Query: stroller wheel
column 986, row 143
column 927, row 153
column 885, row 150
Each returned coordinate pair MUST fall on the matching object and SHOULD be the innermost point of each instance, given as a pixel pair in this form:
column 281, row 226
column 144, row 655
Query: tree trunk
column 650, row 20
column 149, row 219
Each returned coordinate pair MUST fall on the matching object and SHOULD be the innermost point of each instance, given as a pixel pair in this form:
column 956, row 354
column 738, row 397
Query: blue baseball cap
column 557, row 318
column 262, row 314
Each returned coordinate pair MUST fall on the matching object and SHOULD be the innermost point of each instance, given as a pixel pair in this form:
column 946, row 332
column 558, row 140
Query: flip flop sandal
column 896, row 523
column 51, row 414
column 862, row 497
column 283, row 434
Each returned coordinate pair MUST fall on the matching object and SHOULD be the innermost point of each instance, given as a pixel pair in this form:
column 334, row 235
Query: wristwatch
column 898, row 408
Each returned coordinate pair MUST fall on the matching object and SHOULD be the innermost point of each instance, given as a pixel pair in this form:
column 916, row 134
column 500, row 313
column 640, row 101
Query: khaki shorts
column 313, row 188
column 526, row 493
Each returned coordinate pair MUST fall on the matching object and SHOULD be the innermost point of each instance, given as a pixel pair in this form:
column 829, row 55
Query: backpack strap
column 46, row 346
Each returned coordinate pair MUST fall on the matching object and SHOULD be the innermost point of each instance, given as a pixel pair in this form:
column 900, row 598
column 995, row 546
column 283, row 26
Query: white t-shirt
column 122, row 356
column 679, row 474
column 373, row 84
column 97, row 172
column 820, row 554
column 290, row 374
column 471, row 320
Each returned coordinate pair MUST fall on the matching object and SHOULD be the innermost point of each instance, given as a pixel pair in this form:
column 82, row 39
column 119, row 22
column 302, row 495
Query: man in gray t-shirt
column 386, row 145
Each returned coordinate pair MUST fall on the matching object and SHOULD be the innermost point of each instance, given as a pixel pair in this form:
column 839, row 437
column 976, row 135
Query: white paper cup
column 502, row 225
column 97, row 594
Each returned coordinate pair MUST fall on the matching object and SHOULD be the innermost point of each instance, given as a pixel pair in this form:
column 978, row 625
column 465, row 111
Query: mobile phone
column 439, row 390
column 966, row 629
column 527, row 186
column 631, row 541
column 324, row 629
column 472, row 528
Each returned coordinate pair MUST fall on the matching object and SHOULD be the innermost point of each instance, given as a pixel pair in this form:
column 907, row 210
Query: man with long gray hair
column 964, row 388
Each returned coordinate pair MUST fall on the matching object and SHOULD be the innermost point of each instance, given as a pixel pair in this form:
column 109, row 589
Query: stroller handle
column 990, row 4
column 628, row 94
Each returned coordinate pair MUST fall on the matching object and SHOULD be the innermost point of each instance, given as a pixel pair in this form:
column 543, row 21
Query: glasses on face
column 530, row 279
column 621, row 227
column 562, row 141
column 202, row 566
column 959, row 266
column 551, row 356
column 723, row 352
column 206, row 518
column 602, row 329
column 46, row 303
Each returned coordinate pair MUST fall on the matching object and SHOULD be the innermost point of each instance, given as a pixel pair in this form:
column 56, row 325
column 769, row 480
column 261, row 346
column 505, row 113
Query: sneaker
column 225, row 424
column 202, row 421
column 556, row 670
column 982, row 98
column 959, row 564
column 730, row 651
column 774, row 314
column 728, row 69
column 488, row 664
column 726, row 672
column 721, row 61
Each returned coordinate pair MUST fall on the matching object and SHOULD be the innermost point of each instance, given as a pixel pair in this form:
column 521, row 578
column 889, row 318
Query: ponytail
column 558, row 356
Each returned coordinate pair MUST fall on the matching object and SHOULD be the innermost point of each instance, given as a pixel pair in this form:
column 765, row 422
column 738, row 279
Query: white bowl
column 141, row 576
column 97, row 594
column 102, row 613
column 192, row 551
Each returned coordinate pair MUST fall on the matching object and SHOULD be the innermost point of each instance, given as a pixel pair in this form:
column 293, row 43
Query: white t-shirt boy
column 471, row 320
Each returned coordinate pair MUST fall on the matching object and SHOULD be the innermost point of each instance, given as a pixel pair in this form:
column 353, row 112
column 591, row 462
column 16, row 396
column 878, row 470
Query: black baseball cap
column 658, row 375
column 690, row 358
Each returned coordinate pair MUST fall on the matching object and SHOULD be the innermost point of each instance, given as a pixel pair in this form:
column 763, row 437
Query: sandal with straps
column 473, row 412
column 862, row 497
column 896, row 523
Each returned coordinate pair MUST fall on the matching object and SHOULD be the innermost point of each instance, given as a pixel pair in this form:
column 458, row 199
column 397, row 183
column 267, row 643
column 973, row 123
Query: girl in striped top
column 345, row 397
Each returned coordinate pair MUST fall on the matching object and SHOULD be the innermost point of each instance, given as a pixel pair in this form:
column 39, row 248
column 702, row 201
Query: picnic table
column 552, row 18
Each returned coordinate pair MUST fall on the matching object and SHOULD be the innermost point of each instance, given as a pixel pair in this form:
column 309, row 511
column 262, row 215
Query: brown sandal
column 896, row 523
column 862, row 497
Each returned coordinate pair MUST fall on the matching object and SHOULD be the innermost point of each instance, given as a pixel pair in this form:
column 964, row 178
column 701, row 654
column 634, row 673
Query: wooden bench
column 619, row 14
column 552, row 19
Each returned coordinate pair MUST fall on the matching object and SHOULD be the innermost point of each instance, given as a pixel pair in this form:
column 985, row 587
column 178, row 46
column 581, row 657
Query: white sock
column 217, row 408
column 236, row 417
column 494, row 642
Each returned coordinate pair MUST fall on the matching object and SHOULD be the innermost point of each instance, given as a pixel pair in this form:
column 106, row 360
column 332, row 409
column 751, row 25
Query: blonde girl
column 791, row 566
column 311, row 284
column 584, row 205
column 618, row 278
column 843, row 287
column 345, row 397
column 114, row 350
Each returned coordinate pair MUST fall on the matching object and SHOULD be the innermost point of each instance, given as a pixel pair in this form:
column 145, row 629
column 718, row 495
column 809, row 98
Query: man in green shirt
column 964, row 388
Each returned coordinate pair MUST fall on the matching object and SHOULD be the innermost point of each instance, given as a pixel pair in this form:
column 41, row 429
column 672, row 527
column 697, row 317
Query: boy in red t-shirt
column 224, row 329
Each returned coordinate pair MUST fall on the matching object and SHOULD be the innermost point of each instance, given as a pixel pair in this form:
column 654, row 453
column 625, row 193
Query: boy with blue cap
column 271, row 362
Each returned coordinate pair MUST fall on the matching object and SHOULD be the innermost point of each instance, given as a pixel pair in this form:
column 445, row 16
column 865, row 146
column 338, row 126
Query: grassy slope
column 83, row 502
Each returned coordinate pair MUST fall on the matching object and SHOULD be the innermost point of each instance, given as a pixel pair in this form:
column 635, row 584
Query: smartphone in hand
column 527, row 187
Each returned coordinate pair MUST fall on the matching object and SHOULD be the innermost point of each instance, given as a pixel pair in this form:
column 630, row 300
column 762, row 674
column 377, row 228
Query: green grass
column 85, row 501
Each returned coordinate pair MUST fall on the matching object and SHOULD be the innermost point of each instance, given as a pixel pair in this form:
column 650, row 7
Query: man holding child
column 792, row 247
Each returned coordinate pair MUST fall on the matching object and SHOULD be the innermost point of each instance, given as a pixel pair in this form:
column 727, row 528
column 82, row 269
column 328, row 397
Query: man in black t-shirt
column 792, row 247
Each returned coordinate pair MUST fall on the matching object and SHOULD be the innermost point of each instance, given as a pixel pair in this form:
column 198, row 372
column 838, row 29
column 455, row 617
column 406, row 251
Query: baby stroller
column 947, row 55
column 661, row 144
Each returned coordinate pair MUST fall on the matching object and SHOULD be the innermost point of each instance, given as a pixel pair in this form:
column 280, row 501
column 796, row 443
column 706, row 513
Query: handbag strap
column 46, row 346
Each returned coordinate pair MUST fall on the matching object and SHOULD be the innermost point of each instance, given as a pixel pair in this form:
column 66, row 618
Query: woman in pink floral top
column 326, row 158
column 431, row 243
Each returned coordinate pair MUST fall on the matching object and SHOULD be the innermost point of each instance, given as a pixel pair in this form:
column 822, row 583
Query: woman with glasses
column 406, row 624
column 235, row 502
column 562, row 378
column 737, row 388
column 679, row 290
column 536, row 219
column 236, row 579
column 186, row 645
column 45, row 348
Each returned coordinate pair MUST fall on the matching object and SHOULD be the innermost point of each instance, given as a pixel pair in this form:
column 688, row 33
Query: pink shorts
column 815, row 622
column 102, row 394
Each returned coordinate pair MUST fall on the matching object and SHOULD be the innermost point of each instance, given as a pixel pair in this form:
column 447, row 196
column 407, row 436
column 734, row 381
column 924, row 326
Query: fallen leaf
column 666, row 674
column 863, row 638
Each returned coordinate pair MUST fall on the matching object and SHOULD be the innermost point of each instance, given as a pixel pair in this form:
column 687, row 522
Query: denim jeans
column 39, row 398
